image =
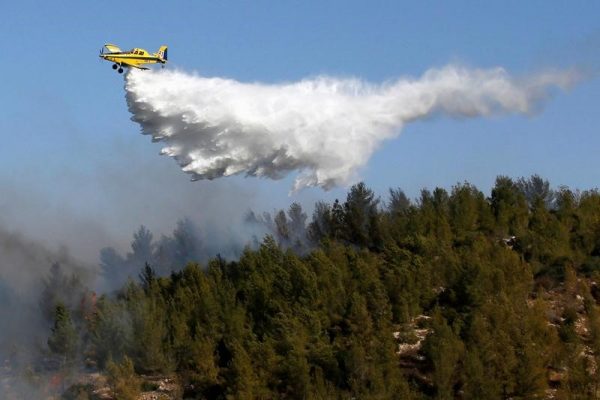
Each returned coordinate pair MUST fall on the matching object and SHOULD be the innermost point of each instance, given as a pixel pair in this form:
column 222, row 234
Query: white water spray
column 325, row 128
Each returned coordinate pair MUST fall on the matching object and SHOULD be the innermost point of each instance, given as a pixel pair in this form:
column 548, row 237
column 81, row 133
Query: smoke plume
column 325, row 128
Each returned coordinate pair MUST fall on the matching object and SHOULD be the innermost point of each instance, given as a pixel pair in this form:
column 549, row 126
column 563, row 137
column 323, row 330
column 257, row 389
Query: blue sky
column 70, row 152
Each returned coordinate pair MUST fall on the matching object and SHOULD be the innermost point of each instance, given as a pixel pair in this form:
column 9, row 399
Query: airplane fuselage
column 135, row 58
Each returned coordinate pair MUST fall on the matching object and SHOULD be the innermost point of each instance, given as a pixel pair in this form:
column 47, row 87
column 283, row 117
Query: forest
column 453, row 295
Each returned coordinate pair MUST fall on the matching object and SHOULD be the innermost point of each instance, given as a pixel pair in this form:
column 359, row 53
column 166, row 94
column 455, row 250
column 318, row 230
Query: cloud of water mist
column 325, row 128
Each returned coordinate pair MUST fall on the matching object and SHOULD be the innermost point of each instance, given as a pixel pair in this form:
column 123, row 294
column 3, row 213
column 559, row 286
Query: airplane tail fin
column 162, row 53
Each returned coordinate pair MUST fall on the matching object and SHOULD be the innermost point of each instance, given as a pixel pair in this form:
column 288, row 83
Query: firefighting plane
column 135, row 58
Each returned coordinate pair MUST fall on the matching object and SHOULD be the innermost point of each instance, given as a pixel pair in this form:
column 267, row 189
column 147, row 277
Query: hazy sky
column 72, row 161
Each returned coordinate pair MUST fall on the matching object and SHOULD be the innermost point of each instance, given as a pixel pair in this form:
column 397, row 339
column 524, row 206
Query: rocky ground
column 83, row 386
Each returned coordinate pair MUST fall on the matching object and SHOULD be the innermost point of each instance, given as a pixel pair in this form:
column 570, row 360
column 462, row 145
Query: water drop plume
column 324, row 128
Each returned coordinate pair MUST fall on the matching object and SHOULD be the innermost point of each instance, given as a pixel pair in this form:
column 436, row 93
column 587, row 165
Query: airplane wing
column 112, row 48
column 131, row 64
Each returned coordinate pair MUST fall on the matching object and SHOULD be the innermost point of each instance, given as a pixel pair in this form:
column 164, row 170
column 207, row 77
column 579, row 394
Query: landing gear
column 120, row 70
column 115, row 66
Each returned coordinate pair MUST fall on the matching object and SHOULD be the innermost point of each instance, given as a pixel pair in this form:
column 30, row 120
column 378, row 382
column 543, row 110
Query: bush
column 79, row 391
column 122, row 379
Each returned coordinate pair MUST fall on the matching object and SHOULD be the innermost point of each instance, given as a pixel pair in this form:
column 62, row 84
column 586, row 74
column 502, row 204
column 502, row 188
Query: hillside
column 455, row 295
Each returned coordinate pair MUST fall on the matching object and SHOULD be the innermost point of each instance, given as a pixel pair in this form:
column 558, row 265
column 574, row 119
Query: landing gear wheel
column 120, row 70
column 115, row 66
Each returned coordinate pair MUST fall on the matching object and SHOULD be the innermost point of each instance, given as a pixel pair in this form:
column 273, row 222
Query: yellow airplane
column 135, row 58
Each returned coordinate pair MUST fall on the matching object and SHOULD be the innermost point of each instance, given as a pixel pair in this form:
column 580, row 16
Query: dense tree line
column 504, row 287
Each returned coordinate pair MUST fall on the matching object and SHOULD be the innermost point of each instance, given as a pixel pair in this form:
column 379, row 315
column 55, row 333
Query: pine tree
column 282, row 229
column 445, row 349
column 297, row 227
column 63, row 341
column 509, row 206
column 398, row 203
column 360, row 217
column 142, row 248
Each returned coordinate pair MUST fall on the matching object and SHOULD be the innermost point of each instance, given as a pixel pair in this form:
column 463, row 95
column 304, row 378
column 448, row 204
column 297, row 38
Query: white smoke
column 325, row 128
